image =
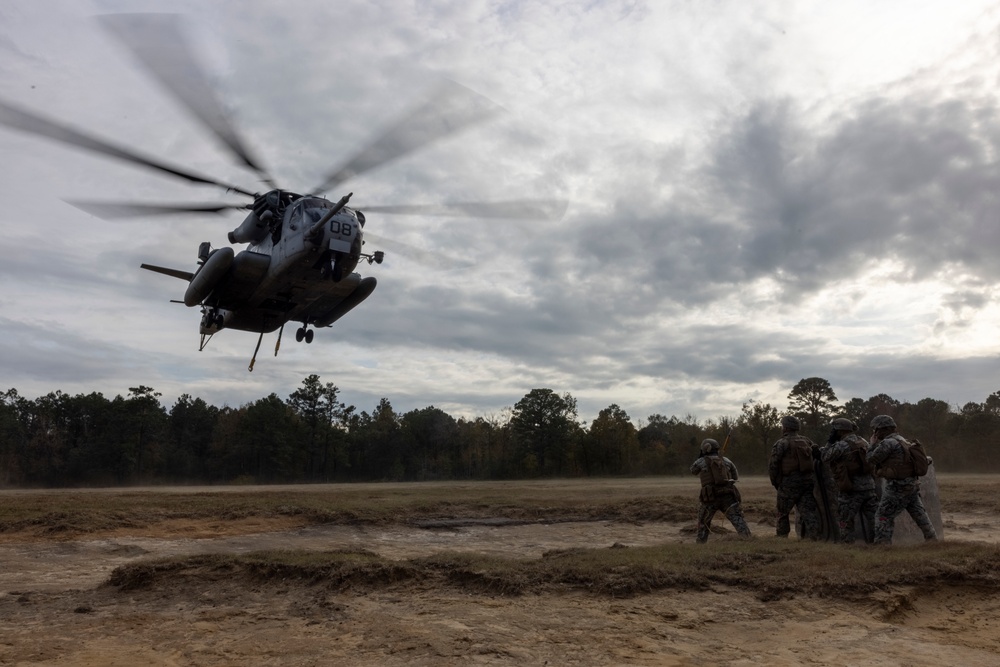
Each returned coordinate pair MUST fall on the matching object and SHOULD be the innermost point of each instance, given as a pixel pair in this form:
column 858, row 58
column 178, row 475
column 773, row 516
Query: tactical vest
column 798, row 457
column 898, row 464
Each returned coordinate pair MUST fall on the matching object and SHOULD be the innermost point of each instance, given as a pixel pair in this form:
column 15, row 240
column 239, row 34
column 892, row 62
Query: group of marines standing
column 792, row 467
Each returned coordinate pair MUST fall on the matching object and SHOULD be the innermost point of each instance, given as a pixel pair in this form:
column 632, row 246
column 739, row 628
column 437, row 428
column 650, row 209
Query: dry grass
column 969, row 493
column 77, row 512
column 770, row 567
column 69, row 513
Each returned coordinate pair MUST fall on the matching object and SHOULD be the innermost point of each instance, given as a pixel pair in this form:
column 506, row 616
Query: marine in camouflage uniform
column 791, row 471
column 846, row 456
column 899, row 493
column 717, row 496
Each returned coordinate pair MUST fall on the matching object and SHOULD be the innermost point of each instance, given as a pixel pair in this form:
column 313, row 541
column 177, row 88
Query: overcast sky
column 759, row 193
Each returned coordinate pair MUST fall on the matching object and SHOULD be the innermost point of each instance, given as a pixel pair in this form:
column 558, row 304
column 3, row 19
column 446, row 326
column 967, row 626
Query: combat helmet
column 883, row 421
column 709, row 446
column 790, row 423
column 843, row 424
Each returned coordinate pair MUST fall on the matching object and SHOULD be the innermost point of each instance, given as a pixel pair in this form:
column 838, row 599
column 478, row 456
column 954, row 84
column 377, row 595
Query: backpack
column 854, row 463
column 912, row 462
column 718, row 469
column 918, row 458
column 857, row 460
column 717, row 481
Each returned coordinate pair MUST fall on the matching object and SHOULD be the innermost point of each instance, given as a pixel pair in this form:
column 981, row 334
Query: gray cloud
column 732, row 192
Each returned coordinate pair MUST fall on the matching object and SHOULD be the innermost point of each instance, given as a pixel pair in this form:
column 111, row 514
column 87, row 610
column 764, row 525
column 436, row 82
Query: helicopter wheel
column 300, row 333
column 309, row 336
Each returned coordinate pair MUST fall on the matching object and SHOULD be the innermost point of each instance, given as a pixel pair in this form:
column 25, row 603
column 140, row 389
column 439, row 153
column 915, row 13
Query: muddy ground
column 57, row 606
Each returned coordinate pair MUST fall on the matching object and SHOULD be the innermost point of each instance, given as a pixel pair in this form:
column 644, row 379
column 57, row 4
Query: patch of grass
column 71, row 512
column 770, row 567
column 76, row 512
column 336, row 569
column 969, row 493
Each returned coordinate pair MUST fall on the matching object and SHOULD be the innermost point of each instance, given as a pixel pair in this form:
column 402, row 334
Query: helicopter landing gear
column 212, row 321
column 303, row 334
column 212, row 318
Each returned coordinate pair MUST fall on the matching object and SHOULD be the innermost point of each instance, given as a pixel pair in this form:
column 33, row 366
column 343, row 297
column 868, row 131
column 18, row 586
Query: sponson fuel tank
column 208, row 276
column 360, row 293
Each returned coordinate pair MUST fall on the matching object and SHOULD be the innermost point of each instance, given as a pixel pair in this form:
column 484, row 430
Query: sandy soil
column 54, row 609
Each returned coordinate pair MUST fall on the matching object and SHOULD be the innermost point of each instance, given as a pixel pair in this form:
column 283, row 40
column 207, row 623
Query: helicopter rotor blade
column 452, row 108
column 116, row 210
column 160, row 44
column 173, row 273
column 27, row 121
column 520, row 209
column 426, row 257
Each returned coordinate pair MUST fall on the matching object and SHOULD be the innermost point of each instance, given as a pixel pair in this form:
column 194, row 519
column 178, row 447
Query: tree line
column 312, row 436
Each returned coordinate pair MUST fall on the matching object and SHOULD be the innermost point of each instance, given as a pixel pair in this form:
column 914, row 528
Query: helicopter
column 301, row 250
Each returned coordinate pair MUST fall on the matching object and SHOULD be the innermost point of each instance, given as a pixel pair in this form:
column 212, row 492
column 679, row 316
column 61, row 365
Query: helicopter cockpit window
column 307, row 212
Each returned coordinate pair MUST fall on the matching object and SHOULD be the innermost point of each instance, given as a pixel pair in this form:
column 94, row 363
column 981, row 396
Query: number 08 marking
column 341, row 228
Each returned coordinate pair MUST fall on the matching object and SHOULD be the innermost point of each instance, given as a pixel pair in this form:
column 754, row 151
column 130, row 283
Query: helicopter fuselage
column 299, row 266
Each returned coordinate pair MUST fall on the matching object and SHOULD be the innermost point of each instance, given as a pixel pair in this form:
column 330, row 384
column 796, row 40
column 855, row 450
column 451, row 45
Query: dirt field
column 63, row 602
